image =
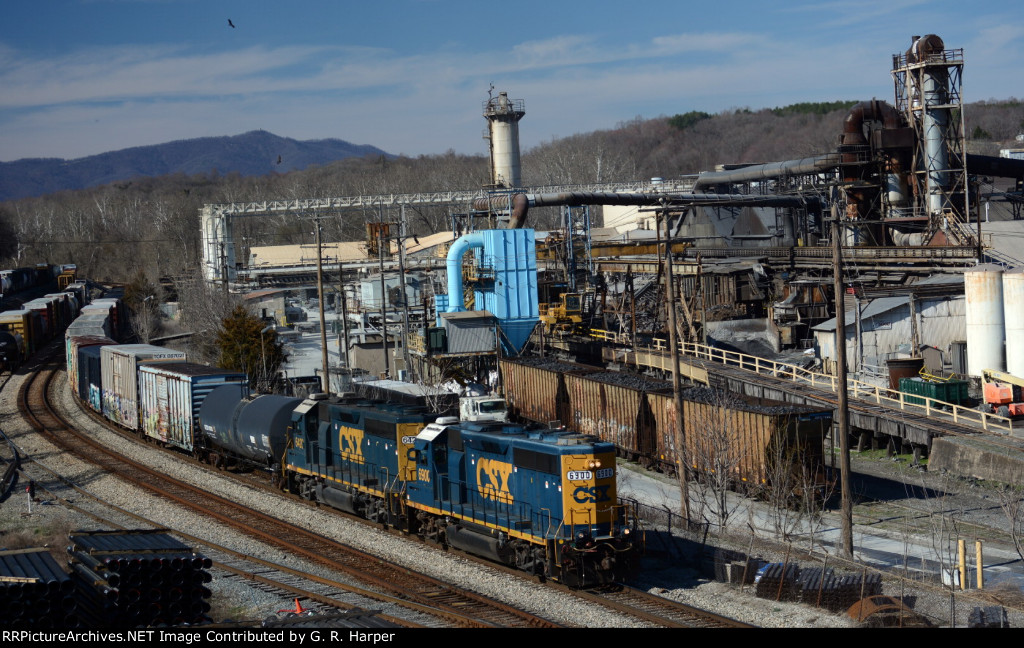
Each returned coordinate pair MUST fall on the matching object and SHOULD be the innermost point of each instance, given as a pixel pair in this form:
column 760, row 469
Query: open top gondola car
column 541, row 500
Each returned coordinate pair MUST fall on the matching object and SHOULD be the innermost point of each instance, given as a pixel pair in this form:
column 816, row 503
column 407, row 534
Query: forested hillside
column 150, row 226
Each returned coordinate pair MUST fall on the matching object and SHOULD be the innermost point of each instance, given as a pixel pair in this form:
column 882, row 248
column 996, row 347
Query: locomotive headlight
column 594, row 463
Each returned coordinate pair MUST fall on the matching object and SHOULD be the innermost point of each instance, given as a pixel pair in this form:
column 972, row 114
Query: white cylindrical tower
column 986, row 329
column 218, row 244
column 1013, row 315
column 503, row 115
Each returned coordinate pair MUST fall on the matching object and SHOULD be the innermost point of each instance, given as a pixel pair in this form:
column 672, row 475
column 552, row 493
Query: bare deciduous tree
column 1011, row 501
column 203, row 308
column 715, row 450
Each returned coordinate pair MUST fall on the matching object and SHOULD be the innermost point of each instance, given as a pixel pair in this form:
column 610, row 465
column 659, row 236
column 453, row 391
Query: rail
column 930, row 407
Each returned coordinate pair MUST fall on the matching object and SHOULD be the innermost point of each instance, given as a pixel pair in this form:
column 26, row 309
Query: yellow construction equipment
column 565, row 314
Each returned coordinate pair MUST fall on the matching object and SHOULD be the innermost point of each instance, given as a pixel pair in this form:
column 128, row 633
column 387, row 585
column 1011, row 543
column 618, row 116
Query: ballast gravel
column 238, row 600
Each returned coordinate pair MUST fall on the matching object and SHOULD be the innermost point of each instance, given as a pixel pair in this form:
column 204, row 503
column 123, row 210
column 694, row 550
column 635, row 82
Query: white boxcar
column 171, row 393
column 120, row 378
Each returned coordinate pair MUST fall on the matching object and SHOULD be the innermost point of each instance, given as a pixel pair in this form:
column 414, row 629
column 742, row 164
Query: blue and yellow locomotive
column 542, row 501
column 352, row 455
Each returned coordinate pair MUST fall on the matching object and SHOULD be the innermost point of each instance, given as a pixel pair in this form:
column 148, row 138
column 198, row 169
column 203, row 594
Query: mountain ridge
column 252, row 153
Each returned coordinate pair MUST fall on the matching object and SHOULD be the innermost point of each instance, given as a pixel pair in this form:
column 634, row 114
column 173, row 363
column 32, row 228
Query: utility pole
column 224, row 269
column 325, row 382
column 843, row 413
column 383, row 294
column 673, row 346
column 342, row 310
column 405, row 296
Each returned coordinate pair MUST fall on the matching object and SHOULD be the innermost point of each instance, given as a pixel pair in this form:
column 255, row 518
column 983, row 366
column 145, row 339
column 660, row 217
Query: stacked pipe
column 34, row 591
column 822, row 587
column 139, row 578
column 778, row 581
column 992, row 616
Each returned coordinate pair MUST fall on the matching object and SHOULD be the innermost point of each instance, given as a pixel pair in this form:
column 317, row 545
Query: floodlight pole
column 325, row 382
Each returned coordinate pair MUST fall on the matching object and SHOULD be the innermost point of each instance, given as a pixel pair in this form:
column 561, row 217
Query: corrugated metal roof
column 468, row 315
column 268, row 292
column 305, row 254
column 427, row 242
column 873, row 308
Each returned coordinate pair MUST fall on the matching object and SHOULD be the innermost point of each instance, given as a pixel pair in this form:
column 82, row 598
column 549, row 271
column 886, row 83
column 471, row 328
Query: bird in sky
column 231, row 23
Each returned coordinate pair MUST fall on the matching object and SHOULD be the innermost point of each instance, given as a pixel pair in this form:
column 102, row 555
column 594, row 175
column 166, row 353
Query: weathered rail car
column 638, row 414
column 171, row 395
column 756, row 443
column 120, row 378
column 73, row 343
column 614, row 407
column 535, row 388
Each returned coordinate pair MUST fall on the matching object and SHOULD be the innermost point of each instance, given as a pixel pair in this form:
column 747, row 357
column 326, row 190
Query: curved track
column 645, row 607
column 460, row 608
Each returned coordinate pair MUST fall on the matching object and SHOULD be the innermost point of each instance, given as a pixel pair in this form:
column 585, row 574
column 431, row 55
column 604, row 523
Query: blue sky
column 80, row 77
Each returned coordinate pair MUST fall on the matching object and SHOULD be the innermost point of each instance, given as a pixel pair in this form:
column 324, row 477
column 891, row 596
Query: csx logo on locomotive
column 350, row 444
column 591, row 494
column 492, row 477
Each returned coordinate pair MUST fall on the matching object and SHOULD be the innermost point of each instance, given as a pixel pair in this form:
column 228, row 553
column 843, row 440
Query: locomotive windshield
column 492, row 406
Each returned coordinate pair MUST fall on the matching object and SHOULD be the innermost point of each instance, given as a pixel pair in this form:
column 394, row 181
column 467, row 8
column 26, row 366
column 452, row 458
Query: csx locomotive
column 543, row 501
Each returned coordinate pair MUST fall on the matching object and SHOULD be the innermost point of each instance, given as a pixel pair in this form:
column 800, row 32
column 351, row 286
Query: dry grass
column 52, row 536
column 1006, row 594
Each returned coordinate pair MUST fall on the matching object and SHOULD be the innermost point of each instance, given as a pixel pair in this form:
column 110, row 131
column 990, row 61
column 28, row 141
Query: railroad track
column 657, row 610
column 316, row 592
column 459, row 608
column 629, row 602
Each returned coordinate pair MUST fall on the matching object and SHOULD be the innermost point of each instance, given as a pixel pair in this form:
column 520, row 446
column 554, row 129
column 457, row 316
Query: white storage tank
column 986, row 328
column 1013, row 316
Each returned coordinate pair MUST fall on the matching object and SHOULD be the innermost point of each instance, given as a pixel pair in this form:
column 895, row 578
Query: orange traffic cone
column 298, row 608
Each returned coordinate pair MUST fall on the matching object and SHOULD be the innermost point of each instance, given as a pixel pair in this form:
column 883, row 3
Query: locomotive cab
column 544, row 502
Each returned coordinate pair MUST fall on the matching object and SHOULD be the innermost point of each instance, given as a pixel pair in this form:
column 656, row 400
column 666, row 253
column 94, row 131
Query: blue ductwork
column 458, row 249
column 510, row 291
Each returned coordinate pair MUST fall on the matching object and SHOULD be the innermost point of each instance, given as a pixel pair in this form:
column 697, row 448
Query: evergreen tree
column 247, row 344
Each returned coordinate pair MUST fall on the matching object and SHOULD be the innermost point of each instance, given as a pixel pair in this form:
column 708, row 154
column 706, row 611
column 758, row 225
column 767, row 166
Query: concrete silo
column 503, row 115
column 1013, row 316
column 986, row 327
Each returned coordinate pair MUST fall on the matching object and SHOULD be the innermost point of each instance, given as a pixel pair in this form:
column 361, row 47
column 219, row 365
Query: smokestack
column 503, row 115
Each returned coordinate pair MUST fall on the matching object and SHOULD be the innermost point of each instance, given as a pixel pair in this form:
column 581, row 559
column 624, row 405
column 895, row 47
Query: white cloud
column 96, row 100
